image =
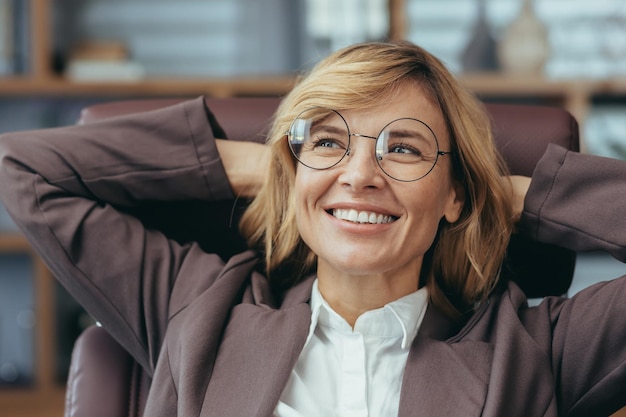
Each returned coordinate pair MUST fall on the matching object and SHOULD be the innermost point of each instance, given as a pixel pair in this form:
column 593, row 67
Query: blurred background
column 58, row 56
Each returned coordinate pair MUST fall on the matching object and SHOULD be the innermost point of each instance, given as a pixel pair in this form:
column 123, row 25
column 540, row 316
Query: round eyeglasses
column 406, row 149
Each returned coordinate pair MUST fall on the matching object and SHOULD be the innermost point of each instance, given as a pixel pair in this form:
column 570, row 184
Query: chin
column 356, row 267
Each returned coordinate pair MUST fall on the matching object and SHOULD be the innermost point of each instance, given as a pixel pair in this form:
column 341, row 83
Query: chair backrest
column 522, row 134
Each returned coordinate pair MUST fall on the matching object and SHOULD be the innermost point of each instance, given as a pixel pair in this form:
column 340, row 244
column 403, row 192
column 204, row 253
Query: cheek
column 310, row 185
column 429, row 203
column 310, row 188
column 301, row 195
column 299, row 205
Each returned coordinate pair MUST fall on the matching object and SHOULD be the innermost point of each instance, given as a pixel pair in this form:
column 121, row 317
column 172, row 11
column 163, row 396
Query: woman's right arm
column 246, row 163
column 63, row 188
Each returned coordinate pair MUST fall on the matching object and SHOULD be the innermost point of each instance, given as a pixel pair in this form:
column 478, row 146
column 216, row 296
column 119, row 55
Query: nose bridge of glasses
column 363, row 136
column 358, row 135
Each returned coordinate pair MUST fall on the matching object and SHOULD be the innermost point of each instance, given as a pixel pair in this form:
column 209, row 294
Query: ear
column 455, row 202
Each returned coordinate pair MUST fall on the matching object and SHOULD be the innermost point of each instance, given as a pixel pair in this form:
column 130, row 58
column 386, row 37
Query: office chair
column 104, row 380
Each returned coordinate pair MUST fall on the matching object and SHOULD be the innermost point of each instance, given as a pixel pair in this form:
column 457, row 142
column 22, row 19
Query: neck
column 350, row 295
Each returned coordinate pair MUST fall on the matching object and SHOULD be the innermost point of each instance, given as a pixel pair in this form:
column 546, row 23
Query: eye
column 327, row 143
column 403, row 148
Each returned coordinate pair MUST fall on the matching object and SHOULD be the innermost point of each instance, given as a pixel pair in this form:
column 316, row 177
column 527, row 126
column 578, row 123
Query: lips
column 356, row 216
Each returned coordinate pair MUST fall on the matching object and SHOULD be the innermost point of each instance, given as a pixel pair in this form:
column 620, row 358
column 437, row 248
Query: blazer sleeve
column 579, row 201
column 63, row 188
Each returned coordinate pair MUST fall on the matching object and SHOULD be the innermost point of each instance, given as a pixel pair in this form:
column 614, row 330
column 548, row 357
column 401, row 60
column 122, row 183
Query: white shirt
column 353, row 372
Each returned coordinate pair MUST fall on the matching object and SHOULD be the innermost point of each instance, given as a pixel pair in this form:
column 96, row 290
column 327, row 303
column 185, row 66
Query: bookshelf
column 577, row 95
column 44, row 396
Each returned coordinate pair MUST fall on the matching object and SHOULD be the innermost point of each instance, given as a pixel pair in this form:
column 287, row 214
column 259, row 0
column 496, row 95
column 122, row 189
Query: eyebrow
column 405, row 133
column 328, row 129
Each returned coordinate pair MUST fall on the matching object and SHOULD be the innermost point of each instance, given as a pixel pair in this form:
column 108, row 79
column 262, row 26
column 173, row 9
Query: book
column 6, row 37
column 104, row 70
column 99, row 50
column 21, row 49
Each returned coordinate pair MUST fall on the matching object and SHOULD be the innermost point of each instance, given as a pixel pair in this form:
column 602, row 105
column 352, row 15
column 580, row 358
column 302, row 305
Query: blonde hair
column 462, row 266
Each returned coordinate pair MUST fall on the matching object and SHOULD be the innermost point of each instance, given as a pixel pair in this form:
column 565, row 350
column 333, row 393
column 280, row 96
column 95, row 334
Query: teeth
column 354, row 216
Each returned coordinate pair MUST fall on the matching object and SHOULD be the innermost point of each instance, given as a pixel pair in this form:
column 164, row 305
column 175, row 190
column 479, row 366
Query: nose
column 360, row 170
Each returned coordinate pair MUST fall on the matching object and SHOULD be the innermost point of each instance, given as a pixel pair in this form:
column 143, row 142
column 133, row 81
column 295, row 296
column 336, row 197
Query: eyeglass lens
column 406, row 149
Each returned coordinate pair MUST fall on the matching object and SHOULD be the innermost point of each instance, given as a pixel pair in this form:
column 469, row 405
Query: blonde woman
column 379, row 224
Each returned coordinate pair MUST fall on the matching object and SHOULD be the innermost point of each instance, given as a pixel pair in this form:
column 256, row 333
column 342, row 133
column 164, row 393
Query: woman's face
column 405, row 215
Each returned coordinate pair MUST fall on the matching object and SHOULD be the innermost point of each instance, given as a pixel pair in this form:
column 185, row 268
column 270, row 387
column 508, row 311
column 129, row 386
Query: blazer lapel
column 249, row 381
column 443, row 377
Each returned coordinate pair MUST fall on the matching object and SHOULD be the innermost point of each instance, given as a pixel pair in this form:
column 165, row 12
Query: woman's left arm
column 579, row 202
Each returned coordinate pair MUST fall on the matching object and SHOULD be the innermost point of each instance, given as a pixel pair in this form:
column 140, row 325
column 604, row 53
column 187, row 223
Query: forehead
column 410, row 101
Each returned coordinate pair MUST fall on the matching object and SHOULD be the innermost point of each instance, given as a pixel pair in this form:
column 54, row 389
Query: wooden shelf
column 489, row 84
column 11, row 242
column 226, row 87
column 20, row 403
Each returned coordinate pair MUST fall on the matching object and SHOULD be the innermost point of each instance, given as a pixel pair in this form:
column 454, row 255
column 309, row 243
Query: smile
column 355, row 216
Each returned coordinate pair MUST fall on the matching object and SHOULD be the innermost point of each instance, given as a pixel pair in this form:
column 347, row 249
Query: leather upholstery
column 104, row 381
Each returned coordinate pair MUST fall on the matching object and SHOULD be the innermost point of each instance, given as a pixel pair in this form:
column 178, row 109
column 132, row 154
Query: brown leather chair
column 105, row 381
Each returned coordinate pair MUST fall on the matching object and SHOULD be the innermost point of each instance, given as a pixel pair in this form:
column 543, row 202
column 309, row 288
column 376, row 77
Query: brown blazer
column 211, row 333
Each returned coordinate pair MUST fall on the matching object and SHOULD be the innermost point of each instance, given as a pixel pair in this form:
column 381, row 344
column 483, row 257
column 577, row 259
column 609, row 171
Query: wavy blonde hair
column 462, row 266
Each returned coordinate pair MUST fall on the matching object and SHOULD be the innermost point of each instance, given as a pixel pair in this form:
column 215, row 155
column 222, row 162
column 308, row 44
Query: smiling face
column 361, row 222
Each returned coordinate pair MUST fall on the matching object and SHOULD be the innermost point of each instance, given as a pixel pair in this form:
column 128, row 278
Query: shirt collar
column 407, row 312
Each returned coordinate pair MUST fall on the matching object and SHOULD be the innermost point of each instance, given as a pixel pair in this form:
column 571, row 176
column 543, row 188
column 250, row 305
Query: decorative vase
column 480, row 52
column 524, row 48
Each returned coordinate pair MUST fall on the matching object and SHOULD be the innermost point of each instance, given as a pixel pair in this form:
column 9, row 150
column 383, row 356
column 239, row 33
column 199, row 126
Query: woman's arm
column 246, row 165
column 579, row 201
column 63, row 187
column 519, row 188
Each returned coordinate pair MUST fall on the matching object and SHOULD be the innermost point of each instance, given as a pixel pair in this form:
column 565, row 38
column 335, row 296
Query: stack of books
column 102, row 61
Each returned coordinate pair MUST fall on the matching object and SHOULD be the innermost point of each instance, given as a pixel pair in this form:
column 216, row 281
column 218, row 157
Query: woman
column 380, row 226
